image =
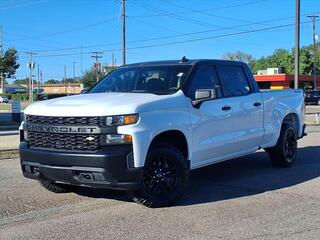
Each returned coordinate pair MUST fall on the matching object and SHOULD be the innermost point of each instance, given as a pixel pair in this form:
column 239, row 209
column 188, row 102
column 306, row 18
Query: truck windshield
column 144, row 79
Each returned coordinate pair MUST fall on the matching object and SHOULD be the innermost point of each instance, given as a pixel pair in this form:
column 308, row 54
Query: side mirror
column 203, row 95
column 85, row 90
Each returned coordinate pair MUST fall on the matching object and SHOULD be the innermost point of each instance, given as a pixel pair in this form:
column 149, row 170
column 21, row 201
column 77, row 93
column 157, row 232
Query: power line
column 207, row 9
column 188, row 40
column 169, row 36
column 151, row 24
column 205, row 12
column 66, row 31
column 172, row 15
column 21, row 4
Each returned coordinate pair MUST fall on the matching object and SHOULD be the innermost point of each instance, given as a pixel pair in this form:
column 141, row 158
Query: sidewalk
column 9, row 140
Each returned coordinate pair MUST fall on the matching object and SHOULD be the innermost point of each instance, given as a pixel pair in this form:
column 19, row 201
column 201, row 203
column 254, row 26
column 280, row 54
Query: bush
column 18, row 96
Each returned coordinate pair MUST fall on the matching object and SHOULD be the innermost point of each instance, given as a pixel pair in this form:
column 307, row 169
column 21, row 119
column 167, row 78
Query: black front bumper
column 106, row 168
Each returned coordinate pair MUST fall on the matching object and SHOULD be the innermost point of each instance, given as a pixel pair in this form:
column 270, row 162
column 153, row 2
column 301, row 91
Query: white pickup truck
column 144, row 126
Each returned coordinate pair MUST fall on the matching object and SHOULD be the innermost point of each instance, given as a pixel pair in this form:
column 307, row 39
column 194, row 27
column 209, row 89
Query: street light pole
column 30, row 66
column 1, row 53
column 97, row 55
column 313, row 18
column 297, row 46
column 123, row 14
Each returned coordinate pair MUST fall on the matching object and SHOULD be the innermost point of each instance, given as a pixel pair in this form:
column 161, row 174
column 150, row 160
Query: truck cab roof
column 185, row 62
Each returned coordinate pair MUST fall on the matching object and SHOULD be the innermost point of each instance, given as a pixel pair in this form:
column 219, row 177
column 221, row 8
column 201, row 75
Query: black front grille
column 62, row 141
column 79, row 121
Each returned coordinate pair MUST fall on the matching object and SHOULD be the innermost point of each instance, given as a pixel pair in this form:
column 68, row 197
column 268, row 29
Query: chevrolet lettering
column 61, row 129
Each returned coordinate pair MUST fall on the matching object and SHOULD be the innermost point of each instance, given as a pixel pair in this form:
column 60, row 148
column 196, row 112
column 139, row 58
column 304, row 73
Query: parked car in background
column 313, row 97
column 4, row 99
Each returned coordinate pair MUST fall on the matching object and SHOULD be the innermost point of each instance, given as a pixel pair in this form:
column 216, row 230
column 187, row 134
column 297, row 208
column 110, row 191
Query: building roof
column 283, row 77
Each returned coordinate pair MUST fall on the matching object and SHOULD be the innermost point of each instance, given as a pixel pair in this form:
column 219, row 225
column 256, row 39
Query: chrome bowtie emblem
column 90, row 138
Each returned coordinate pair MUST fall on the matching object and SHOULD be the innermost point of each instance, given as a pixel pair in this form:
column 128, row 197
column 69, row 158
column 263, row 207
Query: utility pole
column 1, row 54
column 31, row 67
column 65, row 78
column 297, row 46
column 81, row 62
column 74, row 71
column 41, row 77
column 313, row 18
column 38, row 78
column 112, row 60
column 97, row 55
column 123, row 14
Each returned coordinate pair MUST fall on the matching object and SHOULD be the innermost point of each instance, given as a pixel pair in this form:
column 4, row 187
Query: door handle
column 257, row 104
column 226, row 108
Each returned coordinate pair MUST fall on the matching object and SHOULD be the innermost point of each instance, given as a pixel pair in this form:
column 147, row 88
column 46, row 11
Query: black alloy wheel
column 165, row 178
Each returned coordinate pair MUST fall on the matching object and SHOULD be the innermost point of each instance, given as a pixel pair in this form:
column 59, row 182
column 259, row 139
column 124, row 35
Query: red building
column 283, row 81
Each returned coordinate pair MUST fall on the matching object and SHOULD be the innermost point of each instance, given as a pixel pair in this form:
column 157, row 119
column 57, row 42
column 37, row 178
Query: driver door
column 211, row 122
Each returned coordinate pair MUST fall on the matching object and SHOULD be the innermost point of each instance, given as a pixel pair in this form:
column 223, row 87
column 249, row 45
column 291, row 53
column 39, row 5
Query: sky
column 66, row 32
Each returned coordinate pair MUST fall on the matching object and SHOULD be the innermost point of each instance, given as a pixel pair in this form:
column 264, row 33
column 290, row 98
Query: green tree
column 9, row 63
column 238, row 56
column 50, row 81
column 90, row 77
column 23, row 81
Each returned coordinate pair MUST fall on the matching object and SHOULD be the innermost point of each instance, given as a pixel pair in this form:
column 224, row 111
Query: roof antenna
column 184, row 59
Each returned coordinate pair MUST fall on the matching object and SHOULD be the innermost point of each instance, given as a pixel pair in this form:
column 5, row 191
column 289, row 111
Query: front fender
column 153, row 123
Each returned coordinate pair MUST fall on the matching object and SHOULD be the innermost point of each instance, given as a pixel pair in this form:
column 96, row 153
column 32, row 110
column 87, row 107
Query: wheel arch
column 173, row 137
column 293, row 120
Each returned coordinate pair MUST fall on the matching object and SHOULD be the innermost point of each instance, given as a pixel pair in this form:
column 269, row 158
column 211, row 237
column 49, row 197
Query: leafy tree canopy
column 238, row 56
column 9, row 63
column 90, row 77
column 280, row 58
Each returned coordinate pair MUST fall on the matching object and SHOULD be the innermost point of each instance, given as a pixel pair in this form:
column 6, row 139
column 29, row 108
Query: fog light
column 118, row 139
column 25, row 135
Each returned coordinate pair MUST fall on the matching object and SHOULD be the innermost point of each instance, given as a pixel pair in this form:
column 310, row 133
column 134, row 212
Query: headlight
column 121, row 120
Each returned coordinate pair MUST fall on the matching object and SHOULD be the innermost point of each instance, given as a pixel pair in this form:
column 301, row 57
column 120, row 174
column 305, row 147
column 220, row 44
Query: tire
column 166, row 175
column 285, row 152
column 53, row 187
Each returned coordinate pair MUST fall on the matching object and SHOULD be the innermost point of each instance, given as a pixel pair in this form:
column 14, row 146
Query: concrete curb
column 8, row 133
column 9, row 153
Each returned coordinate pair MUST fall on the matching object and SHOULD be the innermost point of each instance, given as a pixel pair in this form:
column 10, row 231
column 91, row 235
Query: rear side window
column 204, row 78
column 234, row 82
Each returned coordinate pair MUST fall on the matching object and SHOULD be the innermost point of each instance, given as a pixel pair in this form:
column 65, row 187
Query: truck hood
column 94, row 104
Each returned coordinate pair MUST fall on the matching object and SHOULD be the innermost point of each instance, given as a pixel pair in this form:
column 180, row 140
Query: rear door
column 211, row 122
column 247, row 107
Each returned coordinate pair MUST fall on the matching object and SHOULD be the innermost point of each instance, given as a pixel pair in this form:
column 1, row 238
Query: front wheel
column 165, row 177
column 285, row 152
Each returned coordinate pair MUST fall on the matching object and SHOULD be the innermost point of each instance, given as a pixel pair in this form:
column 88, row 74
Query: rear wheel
column 54, row 187
column 285, row 152
column 165, row 177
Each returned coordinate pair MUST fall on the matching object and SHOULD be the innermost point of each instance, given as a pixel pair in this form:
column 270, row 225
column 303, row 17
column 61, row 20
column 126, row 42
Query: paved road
column 244, row 198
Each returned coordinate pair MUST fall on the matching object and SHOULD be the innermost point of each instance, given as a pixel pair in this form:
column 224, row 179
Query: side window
column 234, row 82
column 204, row 78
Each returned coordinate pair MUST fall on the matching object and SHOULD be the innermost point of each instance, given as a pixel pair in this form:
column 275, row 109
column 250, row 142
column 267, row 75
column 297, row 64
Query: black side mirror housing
column 203, row 95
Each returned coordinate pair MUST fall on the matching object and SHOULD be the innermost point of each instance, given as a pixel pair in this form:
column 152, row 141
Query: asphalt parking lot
column 244, row 198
